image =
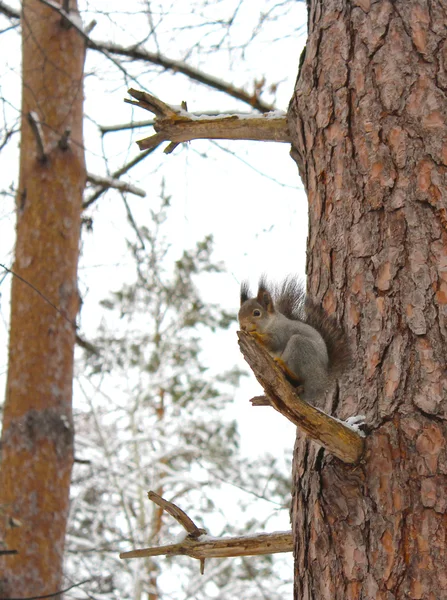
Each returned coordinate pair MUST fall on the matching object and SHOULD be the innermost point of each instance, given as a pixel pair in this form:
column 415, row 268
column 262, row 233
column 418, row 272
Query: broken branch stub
column 175, row 124
column 340, row 440
column 253, row 545
column 198, row 544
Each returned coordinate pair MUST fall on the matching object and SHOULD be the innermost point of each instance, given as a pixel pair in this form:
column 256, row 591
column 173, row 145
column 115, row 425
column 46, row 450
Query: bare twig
column 120, row 127
column 116, row 175
column 89, row 28
column 180, row 67
column 108, row 49
column 58, row 310
column 179, row 515
column 337, row 438
column 8, row 134
column 82, row 343
column 176, row 125
column 111, row 182
column 58, row 593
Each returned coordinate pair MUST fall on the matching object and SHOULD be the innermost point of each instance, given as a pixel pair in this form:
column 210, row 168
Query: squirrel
column 309, row 345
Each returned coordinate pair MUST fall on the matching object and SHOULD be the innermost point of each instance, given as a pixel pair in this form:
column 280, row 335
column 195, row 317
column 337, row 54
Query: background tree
column 155, row 417
column 144, row 56
column 368, row 118
column 37, row 439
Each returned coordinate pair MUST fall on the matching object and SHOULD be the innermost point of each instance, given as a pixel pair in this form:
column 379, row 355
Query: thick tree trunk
column 368, row 120
column 37, row 442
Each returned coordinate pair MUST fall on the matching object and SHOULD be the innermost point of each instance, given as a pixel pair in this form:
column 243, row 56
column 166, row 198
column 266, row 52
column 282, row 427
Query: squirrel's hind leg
column 305, row 361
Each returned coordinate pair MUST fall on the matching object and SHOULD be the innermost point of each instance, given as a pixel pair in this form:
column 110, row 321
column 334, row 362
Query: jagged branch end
column 339, row 439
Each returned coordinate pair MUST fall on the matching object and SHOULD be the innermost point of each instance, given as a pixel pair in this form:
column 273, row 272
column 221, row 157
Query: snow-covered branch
column 111, row 182
column 174, row 124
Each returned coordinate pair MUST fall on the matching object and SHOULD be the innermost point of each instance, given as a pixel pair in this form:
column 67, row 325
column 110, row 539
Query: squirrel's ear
column 264, row 297
column 245, row 292
column 267, row 302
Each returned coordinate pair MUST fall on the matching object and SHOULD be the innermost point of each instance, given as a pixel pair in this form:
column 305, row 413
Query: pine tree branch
column 201, row 546
column 339, row 439
column 176, row 125
column 8, row 11
column 250, row 545
column 115, row 175
column 111, row 182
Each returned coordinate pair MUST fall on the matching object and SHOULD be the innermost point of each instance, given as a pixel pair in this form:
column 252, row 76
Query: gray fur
column 298, row 331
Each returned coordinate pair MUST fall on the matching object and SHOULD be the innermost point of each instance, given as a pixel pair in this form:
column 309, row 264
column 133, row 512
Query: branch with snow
column 175, row 124
column 36, row 127
column 198, row 544
column 115, row 175
column 111, row 182
column 338, row 438
column 9, row 11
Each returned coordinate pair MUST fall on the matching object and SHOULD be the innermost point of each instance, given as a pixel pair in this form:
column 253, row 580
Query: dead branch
column 260, row 401
column 111, row 182
column 123, row 126
column 337, row 438
column 116, row 175
column 177, row 66
column 201, row 546
column 8, row 11
column 176, row 125
column 263, row 543
column 179, row 515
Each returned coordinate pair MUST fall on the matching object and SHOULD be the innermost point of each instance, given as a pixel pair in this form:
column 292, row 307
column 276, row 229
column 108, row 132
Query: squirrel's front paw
column 299, row 390
column 290, row 375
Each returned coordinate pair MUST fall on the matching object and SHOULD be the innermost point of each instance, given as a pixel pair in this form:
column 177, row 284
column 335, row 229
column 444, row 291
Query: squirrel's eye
column 256, row 312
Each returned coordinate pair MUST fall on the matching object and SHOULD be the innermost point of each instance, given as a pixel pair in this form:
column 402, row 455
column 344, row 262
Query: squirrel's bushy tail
column 291, row 300
column 332, row 333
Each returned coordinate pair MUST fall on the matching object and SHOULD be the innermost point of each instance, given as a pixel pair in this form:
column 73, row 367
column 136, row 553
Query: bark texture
column 37, row 442
column 368, row 122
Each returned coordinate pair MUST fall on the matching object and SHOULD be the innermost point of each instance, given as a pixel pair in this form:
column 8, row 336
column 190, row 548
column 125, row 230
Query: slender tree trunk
column 368, row 120
column 37, row 442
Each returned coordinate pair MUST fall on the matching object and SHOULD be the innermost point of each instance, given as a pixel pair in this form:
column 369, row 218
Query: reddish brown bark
column 37, row 442
column 368, row 120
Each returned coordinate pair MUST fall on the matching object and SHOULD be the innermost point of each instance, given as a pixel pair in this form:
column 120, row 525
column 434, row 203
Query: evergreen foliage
column 151, row 415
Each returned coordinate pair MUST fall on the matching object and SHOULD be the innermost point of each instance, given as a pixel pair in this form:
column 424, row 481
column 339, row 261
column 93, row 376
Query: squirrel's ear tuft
column 263, row 285
column 245, row 292
column 264, row 297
